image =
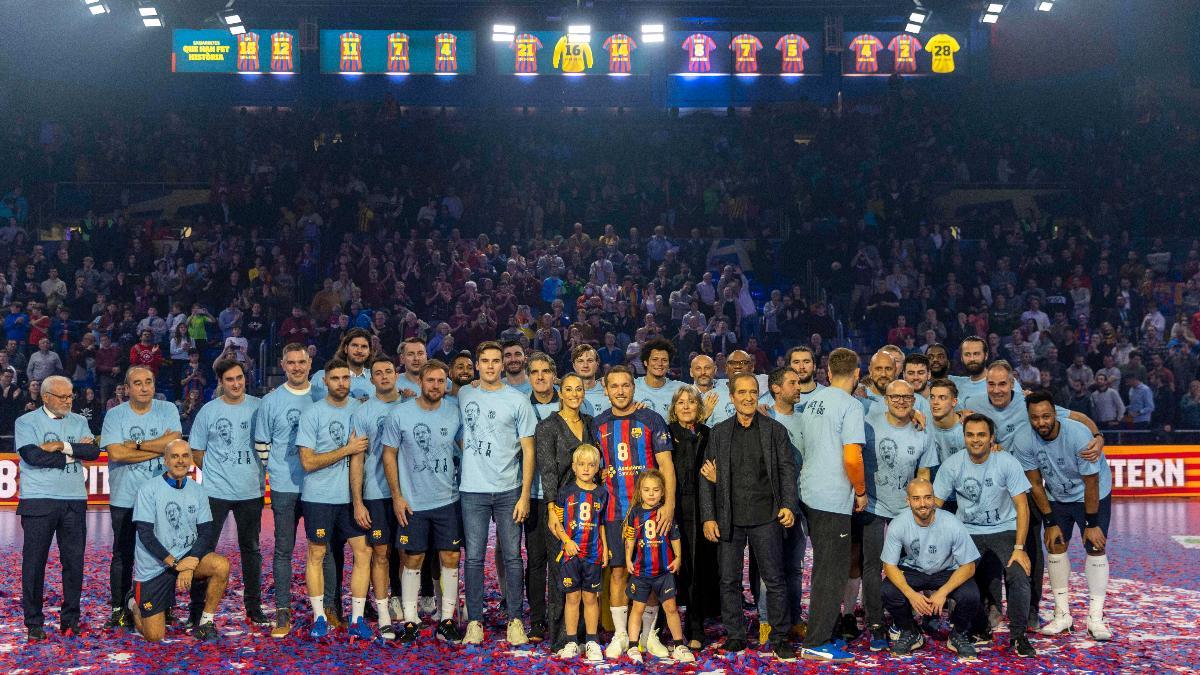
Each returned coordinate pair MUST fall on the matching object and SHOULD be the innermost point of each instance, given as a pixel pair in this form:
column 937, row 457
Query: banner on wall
column 1154, row 470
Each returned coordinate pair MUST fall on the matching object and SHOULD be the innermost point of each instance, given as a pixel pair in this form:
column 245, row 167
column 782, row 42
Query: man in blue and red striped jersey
column 631, row 440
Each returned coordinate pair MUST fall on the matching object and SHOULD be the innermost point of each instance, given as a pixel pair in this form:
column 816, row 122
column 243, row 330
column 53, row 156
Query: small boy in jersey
column 652, row 558
column 578, row 522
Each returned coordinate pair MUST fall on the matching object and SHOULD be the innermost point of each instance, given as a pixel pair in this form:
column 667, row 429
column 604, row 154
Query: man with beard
column 655, row 389
column 369, row 491
column 275, row 437
column 895, row 452
column 990, row 490
column 1077, row 492
column 586, row 362
column 916, row 373
column 939, row 361
column 703, row 371
column 802, row 361
column 882, row 371
column 422, row 470
column 326, row 441
column 972, row 354
column 738, row 363
column 412, row 357
column 136, row 432
column 927, row 550
column 222, row 439
column 462, row 371
column 514, row 367
column 355, row 350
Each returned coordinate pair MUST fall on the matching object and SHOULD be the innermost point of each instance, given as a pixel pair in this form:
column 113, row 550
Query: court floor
column 1153, row 609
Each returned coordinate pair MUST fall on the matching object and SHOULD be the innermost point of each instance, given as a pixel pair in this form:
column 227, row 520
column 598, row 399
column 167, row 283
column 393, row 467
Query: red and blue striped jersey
column 905, row 48
column 583, row 519
column 247, row 52
column 397, row 53
column 445, row 53
column 351, row 52
column 627, row 448
column 526, row 47
column 620, row 50
column 793, row 47
column 866, row 53
column 745, row 49
column 281, row 53
column 651, row 549
column 699, row 48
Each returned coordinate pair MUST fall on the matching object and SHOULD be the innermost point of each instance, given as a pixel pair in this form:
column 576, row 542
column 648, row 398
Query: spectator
column 1140, row 405
column 1189, row 406
column 297, row 328
column 1107, row 407
column 1078, row 371
column 88, row 406
column 146, row 353
column 43, row 363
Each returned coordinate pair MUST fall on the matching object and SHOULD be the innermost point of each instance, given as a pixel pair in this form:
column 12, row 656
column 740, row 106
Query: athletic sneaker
column 410, row 633
column 320, row 628
column 387, row 632
column 847, row 628
column 830, row 652
column 205, row 632
column 516, row 633
column 474, row 634
column 655, row 646
column 907, row 642
column 257, row 617
column 569, row 651
column 1020, row 645
column 360, row 630
column 447, row 631
column 1061, row 623
column 1098, row 629
column 960, row 644
column 120, row 618
column 283, row 623
column 681, row 654
column 537, row 631
column 981, row 639
column 592, row 653
column 37, row 634
column 617, row 647
column 634, row 654
column 879, row 638
column 783, row 651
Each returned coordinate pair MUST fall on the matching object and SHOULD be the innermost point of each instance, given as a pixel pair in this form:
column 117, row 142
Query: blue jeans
column 794, row 543
column 478, row 510
column 285, row 507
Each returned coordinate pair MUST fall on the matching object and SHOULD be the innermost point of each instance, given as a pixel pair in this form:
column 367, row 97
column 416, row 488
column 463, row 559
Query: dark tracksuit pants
column 537, row 534
column 830, row 536
column 965, row 597
column 42, row 521
column 120, row 571
column 247, row 516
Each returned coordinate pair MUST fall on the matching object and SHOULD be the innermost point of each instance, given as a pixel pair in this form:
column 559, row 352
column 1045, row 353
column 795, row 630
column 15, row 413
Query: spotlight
column 1045, row 5
column 991, row 13
column 232, row 20
column 916, row 20
column 652, row 32
column 503, row 32
column 150, row 16
column 96, row 7
column 579, row 33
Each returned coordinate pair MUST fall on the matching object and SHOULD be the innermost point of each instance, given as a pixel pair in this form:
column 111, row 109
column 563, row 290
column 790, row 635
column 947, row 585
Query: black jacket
column 715, row 500
column 688, row 450
column 553, row 445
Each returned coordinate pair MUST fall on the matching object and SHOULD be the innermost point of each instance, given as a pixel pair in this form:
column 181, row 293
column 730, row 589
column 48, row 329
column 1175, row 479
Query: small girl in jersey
column 652, row 558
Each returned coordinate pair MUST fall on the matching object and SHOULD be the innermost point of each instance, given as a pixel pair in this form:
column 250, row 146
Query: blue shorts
column 157, row 595
column 662, row 586
column 439, row 529
column 1066, row 515
column 383, row 522
column 580, row 575
column 329, row 522
column 614, row 533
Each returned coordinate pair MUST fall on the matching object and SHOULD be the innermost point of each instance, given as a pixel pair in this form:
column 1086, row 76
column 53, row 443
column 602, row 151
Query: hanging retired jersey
column 943, row 47
column 572, row 57
column 866, row 53
column 247, row 52
column 445, row 53
column 745, row 49
column 397, row 53
column 281, row 53
column 620, row 51
column 652, row 552
column 905, row 48
column 699, row 48
column 628, row 446
column 526, row 47
column 792, row 48
column 351, row 52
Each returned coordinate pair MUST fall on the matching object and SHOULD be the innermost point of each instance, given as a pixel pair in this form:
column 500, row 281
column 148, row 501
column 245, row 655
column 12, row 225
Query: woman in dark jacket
column 698, row 577
column 555, row 439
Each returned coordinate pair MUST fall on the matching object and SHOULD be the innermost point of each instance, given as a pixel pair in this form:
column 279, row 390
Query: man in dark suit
column 753, row 500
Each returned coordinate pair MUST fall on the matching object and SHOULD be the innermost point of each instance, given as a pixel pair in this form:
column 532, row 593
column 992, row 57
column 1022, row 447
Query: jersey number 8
column 585, row 511
column 651, row 528
column 623, row 452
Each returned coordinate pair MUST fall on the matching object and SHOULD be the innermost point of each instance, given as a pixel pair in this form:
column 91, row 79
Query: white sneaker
column 681, row 654
column 396, row 609
column 655, row 646
column 617, row 647
column 634, row 654
column 426, row 605
column 1098, row 629
column 570, row 650
column 1061, row 623
column 593, row 653
column 474, row 634
column 516, row 633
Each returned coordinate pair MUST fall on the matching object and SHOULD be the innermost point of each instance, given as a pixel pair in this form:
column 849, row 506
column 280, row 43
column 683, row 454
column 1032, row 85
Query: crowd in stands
column 610, row 230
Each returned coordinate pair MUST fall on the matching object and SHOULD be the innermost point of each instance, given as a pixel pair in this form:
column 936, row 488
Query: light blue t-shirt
column 658, row 400
column 984, row 492
column 596, row 398
column 968, row 388
column 792, row 423
column 724, row 408
column 428, row 452
column 175, row 514
column 226, row 435
column 944, row 545
column 325, row 428
column 1059, row 462
column 361, row 388
column 525, row 387
column 494, row 422
column 278, row 420
column 123, row 423
column 70, row 482
column 947, row 441
column 369, row 420
column 831, row 418
column 891, row 457
column 1009, row 419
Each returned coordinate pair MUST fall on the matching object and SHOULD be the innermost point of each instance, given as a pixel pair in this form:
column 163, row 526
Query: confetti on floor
column 1153, row 609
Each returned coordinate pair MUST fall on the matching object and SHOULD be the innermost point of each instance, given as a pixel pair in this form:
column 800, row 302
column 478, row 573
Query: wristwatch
column 1018, row 547
column 138, row 446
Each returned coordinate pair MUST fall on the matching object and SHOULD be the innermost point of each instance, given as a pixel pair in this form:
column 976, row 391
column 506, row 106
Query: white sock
column 620, row 617
column 850, row 596
column 1096, row 571
column 357, row 607
column 410, row 587
column 649, row 616
column 385, row 617
column 449, row 594
column 208, row 617
column 318, row 606
column 1059, row 568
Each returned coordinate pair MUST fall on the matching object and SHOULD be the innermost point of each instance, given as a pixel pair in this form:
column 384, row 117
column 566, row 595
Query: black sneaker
column 908, row 642
column 37, row 634
column 734, row 645
column 192, row 622
column 119, row 618
column 71, row 629
column 783, row 651
column 387, row 632
column 1020, row 645
column 879, row 638
column 205, row 632
column 170, row 617
column 410, row 633
column 847, row 628
column 981, row 639
column 536, row 632
column 448, row 631
column 960, row 644
column 256, row 616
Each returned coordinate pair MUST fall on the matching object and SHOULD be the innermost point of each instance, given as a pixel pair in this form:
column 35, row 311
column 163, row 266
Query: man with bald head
column 738, row 362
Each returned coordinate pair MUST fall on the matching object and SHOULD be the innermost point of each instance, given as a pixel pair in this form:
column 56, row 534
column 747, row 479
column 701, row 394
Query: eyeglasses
column 62, row 397
column 901, row 398
column 739, row 362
